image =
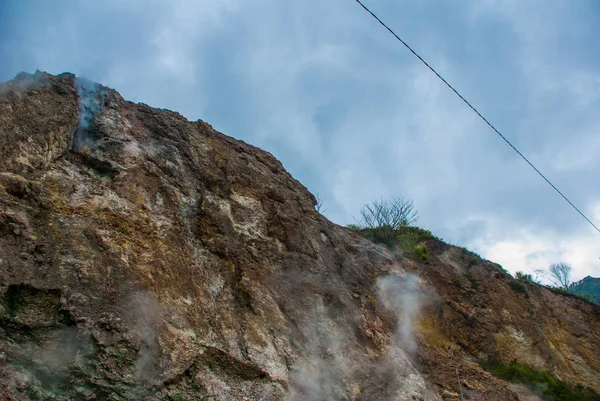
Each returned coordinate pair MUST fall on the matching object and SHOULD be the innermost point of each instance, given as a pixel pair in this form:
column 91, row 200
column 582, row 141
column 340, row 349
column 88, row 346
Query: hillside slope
column 144, row 256
column 588, row 287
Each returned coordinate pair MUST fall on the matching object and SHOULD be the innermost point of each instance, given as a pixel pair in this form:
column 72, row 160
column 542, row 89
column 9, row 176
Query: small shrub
column 421, row 252
column 409, row 237
column 421, row 233
column 471, row 279
column 523, row 276
column 541, row 382
column 353, row 227
column 470, row 258
column 384, row 235
column 466, row 252
column 405, row 238
column 517, row 287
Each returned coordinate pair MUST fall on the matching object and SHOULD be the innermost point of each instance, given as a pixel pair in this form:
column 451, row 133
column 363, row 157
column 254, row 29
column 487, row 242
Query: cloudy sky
column 353, row 115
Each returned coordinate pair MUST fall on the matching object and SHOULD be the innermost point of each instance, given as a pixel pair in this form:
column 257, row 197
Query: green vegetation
column 542, row 383
column 518, row 283
column 523, row 276
column 517, row 286
column 391, row 222
column 385, row 217
column 406, row 239
column 381, row 235
column 569, row 293
column 588, row 288
column 421, row 252
column 353, row 227
column 471, row 279
column 471, row 258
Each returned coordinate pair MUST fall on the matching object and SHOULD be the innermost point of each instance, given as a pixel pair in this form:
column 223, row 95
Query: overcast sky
column 353, row 115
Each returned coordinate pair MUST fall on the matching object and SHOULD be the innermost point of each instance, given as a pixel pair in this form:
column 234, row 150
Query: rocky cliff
column 143, row 256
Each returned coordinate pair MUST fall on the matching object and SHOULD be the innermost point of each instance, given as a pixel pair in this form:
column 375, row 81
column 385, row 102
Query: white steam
column 91, row 96
column 144, row 311
column 326, row 373
column 335, row 367
column 404, row 297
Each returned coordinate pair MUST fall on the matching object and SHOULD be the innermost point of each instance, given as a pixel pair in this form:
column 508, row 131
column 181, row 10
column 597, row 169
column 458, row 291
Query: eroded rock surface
column 143, row 256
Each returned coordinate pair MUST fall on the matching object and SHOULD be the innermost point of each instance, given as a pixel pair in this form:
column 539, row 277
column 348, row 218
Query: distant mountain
column 589, row 287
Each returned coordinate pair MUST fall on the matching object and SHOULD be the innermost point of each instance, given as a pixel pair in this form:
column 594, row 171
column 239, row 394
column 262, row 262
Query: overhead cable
column 478, row 113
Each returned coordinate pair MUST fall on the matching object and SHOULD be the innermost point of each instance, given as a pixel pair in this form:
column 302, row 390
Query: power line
column 479, row 114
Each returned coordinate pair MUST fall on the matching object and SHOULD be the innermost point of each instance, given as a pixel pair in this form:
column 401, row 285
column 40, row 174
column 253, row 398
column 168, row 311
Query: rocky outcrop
column 144, row 256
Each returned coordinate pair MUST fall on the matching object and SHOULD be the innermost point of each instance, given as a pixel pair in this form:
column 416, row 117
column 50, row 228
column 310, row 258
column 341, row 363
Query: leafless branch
column 560, row 275
column 319, row 206
column 393, row 213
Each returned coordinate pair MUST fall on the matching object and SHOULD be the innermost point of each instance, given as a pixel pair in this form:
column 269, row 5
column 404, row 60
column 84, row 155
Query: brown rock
column 196, row 267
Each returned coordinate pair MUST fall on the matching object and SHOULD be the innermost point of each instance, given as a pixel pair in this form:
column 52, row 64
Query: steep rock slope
column 144, row 256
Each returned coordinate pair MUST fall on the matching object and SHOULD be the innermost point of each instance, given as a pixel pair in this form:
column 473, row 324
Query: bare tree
column 560, row 275
column 395, row 212
column 319, row 205
column 539, row 274
column 523, row 276
column 387, row 216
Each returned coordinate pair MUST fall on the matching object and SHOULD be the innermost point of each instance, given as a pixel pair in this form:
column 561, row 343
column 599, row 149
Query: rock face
column 143, row 256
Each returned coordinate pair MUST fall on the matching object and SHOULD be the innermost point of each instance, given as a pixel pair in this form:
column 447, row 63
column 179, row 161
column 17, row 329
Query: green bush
column 523, row 276
column 543, row 383
column 421, row 252
column 383, row 235
column 409, row 237
column 517, row 287
column 470, row 258
column 405, row 238
column 383, row 220
column 471, row 279
column 562, row 291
